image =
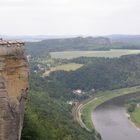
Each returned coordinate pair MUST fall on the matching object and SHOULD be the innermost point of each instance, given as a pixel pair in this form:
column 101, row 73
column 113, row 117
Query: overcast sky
column 69, row 17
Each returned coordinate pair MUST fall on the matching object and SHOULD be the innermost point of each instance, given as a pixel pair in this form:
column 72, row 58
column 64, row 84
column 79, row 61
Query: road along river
column 111, row 121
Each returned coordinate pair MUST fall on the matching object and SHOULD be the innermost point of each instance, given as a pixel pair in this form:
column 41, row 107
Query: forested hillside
column 101, row 73
column 48, row 116
column 78, row 43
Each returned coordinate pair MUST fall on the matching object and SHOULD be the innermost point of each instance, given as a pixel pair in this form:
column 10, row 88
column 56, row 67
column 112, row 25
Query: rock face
column 13, row 88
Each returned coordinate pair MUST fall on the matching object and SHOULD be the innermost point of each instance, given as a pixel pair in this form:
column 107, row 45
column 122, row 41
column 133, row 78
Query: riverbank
column 87, row 108
column 135, row 116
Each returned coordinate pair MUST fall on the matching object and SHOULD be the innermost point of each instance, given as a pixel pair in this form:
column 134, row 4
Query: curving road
column 111, row 121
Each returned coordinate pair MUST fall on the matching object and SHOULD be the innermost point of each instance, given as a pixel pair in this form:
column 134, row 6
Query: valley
column 63, row 77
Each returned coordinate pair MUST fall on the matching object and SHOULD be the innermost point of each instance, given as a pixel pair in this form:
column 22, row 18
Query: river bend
column 111, row 121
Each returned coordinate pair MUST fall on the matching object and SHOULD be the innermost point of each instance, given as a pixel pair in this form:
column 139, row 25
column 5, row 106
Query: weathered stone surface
column 13, row 89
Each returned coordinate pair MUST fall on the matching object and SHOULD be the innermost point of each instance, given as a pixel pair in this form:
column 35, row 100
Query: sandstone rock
column 13, row 88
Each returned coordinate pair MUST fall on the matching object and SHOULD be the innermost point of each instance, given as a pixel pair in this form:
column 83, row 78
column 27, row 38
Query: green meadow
column 110, row 54
column 135, row 116
column 65, row 67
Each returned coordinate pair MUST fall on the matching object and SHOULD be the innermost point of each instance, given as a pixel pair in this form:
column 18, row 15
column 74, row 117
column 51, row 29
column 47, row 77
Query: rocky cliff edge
column 13, row 88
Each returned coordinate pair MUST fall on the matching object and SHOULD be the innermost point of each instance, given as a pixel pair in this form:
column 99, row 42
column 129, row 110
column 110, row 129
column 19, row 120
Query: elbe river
column 111, row 121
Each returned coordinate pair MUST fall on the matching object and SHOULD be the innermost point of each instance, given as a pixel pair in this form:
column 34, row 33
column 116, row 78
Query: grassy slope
column 65, row 67
column 135, row 116
column 75, row 54
column 87, row 109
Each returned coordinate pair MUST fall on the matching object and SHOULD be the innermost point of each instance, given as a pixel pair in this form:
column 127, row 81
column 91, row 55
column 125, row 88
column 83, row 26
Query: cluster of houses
column 40, row 68
column 78, row 92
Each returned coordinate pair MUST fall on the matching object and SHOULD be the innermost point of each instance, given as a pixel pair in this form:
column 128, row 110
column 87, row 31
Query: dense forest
column 101, row 73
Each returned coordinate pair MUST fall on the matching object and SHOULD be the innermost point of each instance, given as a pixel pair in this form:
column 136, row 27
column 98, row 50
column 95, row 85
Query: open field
column 135, row 116
column 75, row 54
column 87, row 108
column 65, row 67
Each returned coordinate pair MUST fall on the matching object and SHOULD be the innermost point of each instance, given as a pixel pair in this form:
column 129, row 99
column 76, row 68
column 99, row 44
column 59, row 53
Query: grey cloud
column 54, row 17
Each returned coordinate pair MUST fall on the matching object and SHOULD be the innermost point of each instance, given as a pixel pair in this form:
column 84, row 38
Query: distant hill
column 128, row 39
column 37, row 38
column 69, row 44
column 83, row 43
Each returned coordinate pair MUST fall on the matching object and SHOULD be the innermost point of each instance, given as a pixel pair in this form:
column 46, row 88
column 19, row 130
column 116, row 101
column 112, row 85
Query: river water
column 111, row 121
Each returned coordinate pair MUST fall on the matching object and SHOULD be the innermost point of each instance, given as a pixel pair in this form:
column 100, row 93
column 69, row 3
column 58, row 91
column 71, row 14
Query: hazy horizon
column 70, row 35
